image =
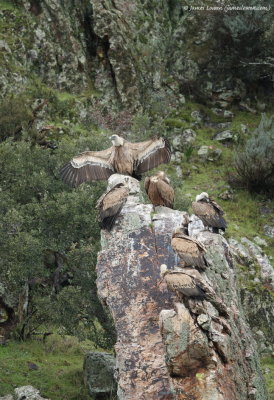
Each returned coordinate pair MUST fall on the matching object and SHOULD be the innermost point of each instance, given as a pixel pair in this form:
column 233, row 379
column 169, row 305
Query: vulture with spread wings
column 122, row 157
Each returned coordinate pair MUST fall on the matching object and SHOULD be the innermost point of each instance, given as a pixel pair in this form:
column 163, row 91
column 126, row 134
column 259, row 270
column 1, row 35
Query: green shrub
column 14, row 115
column 255, row 163
column 39, row 213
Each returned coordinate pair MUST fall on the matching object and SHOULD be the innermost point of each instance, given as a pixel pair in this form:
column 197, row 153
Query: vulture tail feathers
column 201, row 295
column 136, row 176
column 107, row 223
column 198, row 261
column 220, row 224
column 223, row 223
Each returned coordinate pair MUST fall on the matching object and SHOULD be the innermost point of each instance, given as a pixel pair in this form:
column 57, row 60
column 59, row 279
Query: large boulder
column 27, row 393
column 99, row 371
column 224, row 136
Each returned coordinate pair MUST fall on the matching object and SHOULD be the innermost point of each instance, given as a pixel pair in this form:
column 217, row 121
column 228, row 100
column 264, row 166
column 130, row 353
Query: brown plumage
column 190, row 283
column 209, row 212
column 159, row 191
column 182, row 283
column 123, row 157
column 190, row 251
column 110, row 205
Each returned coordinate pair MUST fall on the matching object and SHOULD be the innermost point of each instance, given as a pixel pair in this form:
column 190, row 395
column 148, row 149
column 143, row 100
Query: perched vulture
column 209, row 212
column 182, row 283
column 189, row 283
column 110, row 205
column 159, row 191
column 122, row 157
column 190, row 251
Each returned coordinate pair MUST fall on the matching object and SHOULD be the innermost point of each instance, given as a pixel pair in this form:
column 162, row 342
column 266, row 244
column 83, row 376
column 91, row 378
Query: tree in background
column 49, row 238
column 255, row 163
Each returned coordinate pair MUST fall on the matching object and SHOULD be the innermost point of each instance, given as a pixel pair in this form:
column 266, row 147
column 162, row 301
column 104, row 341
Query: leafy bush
column 255, row 163
column 39, row 213
column 14, row 115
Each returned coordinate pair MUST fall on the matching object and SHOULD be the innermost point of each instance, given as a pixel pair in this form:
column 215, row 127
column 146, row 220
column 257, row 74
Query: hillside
column 73, row 74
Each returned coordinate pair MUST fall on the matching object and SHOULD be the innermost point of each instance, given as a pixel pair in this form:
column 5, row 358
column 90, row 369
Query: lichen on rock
column 167, row 348
column 99, row 370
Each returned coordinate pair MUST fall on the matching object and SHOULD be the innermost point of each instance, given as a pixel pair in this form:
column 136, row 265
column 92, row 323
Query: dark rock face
column 190, row 349
column 99, row 371
column 137, row 54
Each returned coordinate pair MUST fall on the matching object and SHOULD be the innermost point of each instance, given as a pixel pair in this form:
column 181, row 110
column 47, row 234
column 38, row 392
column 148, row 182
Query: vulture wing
column 216, row 206
column 189, row 251
column 200, row 245
column 184, row 284
column 110, row 205
column 88, row 166
column 166, row 192
column 150, row 154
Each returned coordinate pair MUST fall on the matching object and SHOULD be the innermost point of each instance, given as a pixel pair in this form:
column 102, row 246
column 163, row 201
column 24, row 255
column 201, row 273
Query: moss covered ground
column 54, row 367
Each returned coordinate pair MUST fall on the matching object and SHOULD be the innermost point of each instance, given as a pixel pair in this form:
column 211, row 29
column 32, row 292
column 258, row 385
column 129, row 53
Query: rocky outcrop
column 209, row 153
column 170, row 347
column 36, row 32
column 135, row 54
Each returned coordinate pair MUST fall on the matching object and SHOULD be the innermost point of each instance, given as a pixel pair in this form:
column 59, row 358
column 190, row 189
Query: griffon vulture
column 191, row 251
column 209, row 212
column 159, row 191
column 191, row 285
column 110, row 205
column 123, row 157
column 182, row 283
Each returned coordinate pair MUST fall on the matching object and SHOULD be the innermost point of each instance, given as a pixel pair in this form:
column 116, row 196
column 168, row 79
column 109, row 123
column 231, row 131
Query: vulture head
column 163, row 270
column 162, row 175
column 180, row 231
column 202, row 197
column 117, row 140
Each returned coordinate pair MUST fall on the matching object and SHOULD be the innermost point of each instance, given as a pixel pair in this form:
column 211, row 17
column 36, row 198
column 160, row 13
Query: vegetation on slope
column 55, row 368
column 41, row 215
column 43, row 220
